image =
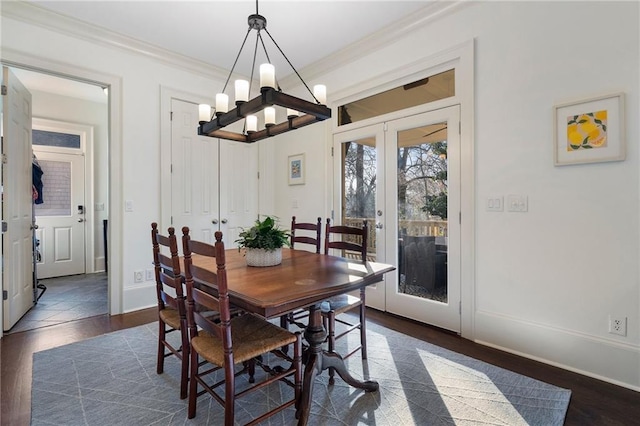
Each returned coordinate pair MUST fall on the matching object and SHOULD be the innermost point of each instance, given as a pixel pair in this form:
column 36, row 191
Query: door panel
column 238, row 188
column 360, row 190
column 61, row 217
column 425, row 193
column 194, row 178
column 17, row 203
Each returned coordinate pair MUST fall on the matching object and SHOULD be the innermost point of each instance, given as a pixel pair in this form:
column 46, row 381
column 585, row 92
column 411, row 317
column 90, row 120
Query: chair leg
column 229, row 395
column 363, row 324
column 331, row 338
column 363, row 331
column 193, row 386
column 297, row 361
column 184, row 379
column 161, row 338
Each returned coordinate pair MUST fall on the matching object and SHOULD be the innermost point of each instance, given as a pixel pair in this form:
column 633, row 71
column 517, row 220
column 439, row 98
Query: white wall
column 71, row 110
column 545, row 280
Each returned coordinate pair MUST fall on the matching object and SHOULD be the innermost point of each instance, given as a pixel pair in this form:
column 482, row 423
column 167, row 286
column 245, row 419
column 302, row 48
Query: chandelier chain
column 236, row 61
column 291, row 65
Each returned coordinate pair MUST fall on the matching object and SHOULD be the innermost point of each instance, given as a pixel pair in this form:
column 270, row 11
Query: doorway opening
column 70, row 233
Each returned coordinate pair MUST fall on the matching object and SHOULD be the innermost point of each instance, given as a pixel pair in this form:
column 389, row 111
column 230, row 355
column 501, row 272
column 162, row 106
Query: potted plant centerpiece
column 263, row 242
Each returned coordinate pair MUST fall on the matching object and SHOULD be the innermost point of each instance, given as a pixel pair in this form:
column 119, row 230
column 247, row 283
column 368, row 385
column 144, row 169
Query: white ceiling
column 212, row 31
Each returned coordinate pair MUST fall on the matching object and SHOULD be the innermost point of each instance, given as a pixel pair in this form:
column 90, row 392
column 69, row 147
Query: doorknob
column 379, row 225
column 34, row 226
column 214, row 221
column 224, row 221
column 80, row 220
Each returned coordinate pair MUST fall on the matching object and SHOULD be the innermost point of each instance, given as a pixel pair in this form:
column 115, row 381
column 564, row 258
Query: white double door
column 403, row 177
column 214, row 182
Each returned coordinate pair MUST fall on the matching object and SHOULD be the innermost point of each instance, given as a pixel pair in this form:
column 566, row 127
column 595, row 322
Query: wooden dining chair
column 311, row 236
column 172, row 315
column 352, row 242
column 231, row 341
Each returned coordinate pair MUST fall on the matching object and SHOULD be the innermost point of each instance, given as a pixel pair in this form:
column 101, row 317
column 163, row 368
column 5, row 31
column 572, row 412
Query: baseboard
column 139, row 296
column 607, row 360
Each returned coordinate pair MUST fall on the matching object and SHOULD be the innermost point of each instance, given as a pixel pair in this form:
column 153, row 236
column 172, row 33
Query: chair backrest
column 207, row 289
column 306, row 239
column 167, row 270
column 351, row 239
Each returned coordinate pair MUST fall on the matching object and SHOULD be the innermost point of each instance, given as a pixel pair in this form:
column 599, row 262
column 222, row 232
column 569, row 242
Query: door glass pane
column 359, row 188
column 419, row 92
column 64, row 140
column 56, row 189
column 422, row 211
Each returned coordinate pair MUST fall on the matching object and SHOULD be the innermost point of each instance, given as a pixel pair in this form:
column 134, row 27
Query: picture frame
column 589, row 130
column 296, row 169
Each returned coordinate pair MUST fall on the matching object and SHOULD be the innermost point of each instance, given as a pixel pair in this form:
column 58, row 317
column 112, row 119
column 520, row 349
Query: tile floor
column 67, row 299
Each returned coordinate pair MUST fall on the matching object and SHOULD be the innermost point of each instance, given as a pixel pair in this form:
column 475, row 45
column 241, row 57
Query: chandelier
column 299, row 112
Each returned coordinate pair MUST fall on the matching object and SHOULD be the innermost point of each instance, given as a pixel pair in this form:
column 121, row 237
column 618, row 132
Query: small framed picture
column 296, row 169
column 590, row 130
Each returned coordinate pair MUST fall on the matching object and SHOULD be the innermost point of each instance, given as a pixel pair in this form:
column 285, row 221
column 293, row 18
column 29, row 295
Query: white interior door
column 214, row 182
column 61, row 218
column 238, row 188
column 17, row 242
column 194, row 177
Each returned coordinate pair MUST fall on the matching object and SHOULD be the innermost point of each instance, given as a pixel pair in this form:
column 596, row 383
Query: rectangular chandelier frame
column 268, row 97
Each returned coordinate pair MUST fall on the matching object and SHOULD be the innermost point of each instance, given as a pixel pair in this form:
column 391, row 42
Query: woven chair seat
column 171, row 317
column 251, row 335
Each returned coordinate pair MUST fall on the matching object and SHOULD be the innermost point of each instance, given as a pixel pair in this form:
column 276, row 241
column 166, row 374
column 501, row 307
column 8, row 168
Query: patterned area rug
column 111, row 380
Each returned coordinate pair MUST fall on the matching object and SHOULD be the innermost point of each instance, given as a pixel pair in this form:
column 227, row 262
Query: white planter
column 262, row 257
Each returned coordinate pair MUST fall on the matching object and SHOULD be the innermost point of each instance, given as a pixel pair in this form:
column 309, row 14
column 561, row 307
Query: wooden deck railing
column 430, row 228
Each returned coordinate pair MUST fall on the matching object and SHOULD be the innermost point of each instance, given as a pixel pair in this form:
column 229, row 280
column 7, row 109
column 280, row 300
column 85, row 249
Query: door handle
column 379, row 225
column 34, row 226
column 214, row 221
column 224, row 221
column 80, row 220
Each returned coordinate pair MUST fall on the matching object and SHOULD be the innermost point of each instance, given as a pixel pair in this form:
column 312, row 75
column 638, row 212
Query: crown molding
column 38, row 16
column 381, row 38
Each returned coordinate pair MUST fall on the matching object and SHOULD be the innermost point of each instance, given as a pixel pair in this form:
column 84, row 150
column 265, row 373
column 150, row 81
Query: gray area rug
column 112, row 380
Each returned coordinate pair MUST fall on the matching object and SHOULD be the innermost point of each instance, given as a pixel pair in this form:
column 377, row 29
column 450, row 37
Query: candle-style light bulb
column 242, row 91
column 204, row 113
column 292, row 113
column 267, row 76
column 251, row 123
column 320, row 92
column 269, row 116
column 222, row 103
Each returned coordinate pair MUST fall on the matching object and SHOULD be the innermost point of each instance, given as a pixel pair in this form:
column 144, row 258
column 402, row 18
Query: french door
column 403, row 178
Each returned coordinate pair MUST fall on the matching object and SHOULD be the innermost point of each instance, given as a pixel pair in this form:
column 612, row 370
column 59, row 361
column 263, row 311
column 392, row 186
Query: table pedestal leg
column 318, row 360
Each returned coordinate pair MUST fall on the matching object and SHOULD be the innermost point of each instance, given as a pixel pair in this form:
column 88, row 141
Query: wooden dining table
column 302, row 280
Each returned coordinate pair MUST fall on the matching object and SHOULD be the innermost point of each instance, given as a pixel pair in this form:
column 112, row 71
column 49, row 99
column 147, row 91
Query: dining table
column 303, row 280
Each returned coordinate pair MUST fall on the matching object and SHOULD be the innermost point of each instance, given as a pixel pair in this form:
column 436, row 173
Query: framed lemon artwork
column 589, row 130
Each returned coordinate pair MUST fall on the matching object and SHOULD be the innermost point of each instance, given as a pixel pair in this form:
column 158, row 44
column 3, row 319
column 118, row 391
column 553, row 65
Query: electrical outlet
column 150, row 276
column 618, row 325
column 138, row 276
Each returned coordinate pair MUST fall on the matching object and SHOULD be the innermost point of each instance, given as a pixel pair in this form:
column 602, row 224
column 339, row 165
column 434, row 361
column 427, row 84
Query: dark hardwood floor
column 593, row 402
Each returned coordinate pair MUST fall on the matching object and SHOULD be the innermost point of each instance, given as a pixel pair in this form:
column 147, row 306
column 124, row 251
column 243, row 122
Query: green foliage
column 436, row 205
column 264, row 234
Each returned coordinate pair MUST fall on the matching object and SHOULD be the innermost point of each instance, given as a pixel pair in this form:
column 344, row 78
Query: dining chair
column 311, row 236
column 352, row 241
column 172, row 315
column 231, row 341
